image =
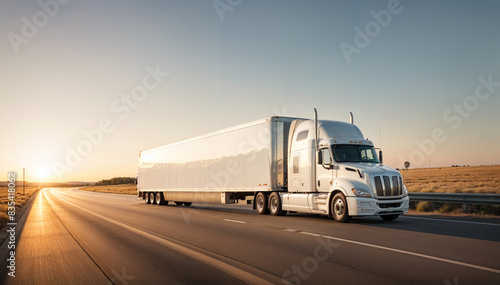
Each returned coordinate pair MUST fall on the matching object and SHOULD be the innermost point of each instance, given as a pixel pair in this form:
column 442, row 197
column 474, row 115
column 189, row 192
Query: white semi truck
column 278, row 164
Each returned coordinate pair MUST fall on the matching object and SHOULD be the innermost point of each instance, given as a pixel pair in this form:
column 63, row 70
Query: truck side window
column 296, row 164
column 325, row 156
column 302, row 135
column 367, row 154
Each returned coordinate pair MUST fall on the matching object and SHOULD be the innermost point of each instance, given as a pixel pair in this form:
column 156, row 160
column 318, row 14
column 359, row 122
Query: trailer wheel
column 339, row 208
column 160, row 200
column 275, row 205
column 188, row 203
column 146, row 198
column 152, row 197
column 178, row 203
column 389, row 217
column 261, row 204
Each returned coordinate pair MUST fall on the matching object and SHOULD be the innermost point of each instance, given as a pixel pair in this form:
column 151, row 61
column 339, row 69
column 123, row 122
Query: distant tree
column 407, row 164
column 116, row 181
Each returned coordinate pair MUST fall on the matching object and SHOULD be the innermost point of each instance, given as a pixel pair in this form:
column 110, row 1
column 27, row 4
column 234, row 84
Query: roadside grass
column 130, row 189
column 19, row 199
column 473, row 179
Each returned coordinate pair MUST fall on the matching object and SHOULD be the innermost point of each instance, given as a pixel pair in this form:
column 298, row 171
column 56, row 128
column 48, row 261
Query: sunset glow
column 97, row 83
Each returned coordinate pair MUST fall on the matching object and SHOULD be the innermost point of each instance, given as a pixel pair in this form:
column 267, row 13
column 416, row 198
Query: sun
column 42, row 173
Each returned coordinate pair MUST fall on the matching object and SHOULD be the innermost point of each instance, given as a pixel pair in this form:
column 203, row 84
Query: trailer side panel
column 248, row 158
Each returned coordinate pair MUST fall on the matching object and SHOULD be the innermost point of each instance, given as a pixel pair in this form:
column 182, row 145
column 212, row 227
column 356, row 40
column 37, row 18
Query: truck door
column 324, row 170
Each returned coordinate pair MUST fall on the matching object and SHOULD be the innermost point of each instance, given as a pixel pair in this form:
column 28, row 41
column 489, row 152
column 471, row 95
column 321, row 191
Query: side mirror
column 380, row 156
column 328, row 164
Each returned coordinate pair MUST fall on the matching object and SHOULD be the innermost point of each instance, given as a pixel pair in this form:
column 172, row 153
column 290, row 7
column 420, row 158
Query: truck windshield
column 354, row 153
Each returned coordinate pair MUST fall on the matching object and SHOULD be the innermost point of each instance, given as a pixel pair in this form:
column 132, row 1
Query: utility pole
column 24, row 181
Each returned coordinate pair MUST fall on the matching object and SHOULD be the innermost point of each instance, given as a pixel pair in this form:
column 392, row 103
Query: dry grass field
column 117, row 189
column 19, row 200
column 473, row 179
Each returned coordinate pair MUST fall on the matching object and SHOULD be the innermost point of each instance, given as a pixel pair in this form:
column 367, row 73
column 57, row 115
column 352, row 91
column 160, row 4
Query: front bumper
column 360, row 206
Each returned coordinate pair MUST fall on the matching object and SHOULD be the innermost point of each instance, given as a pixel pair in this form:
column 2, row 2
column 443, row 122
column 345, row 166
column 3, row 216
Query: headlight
column 361, row 192
column 405, row 191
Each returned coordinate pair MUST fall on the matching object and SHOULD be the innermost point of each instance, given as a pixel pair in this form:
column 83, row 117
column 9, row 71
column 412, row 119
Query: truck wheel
column 261, row 204
column 152, row 197
column 178, row 203
column 389, row 217
column 146, row 198
column 160, row 200
column 188, row 203
column 275, row 205
column 339, row 208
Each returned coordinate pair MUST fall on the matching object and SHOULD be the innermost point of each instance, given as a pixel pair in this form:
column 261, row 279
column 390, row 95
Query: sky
column 86, row 85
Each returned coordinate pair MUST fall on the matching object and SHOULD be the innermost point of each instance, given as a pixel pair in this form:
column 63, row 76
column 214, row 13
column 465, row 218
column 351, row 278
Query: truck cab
column 334, row 170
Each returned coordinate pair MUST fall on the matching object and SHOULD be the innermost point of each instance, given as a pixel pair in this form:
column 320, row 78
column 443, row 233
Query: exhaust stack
column 315, row 129
column 352, row 118
column 316, row 148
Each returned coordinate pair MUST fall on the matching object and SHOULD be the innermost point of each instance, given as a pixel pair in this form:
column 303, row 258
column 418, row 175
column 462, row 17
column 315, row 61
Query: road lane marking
column 453, row 221
column 41, row 214
column 310, row 234
column 235, row 221
column 225, row 267
column 400, row 251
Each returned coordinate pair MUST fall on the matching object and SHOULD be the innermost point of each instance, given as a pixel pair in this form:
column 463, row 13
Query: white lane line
column 225, row 267
column 235, row 221
column 453, row 221
column 310, row 234
column 401, row 251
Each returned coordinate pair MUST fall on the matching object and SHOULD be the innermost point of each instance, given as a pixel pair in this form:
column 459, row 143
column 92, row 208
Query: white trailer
column 284, row 164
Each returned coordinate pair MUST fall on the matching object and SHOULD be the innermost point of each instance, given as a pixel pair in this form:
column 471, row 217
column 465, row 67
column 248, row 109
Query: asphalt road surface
column 78, row 237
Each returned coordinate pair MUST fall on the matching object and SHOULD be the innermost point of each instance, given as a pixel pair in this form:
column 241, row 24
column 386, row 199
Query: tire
column 275, row 205
column 339, row 209
column 152, row 197
column 146, row 198
column 389, row 217
column 188, row 203
column 160, row 200
column 261, row 204
column 178, row 203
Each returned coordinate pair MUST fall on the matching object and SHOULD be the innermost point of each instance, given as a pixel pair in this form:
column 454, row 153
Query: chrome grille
column 387, row 186
column 378, row 186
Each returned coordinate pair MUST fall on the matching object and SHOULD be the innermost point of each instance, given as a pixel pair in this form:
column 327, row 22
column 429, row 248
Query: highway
column 78, row 237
